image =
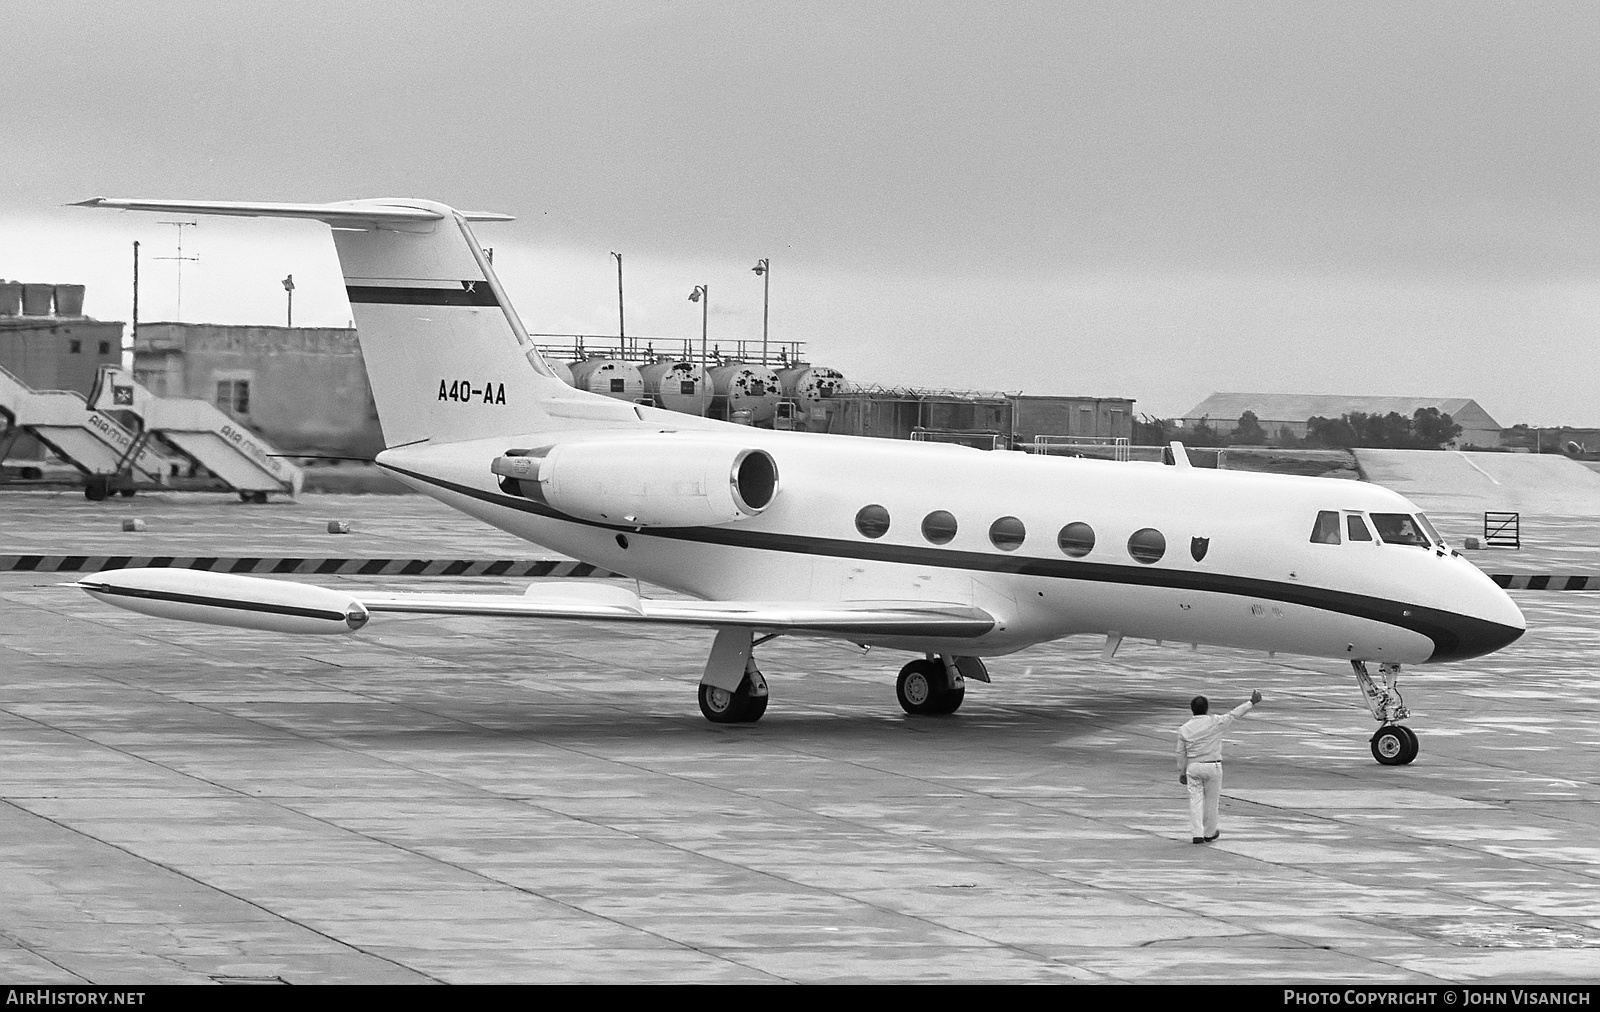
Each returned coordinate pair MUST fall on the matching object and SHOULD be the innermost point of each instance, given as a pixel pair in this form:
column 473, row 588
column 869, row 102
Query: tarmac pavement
column 463, row 800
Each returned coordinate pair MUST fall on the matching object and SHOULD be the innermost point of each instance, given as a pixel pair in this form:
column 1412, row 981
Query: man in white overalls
column 1200, row 763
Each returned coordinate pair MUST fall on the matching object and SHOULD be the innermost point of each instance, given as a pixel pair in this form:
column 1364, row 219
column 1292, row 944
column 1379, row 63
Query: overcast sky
column 1122, row 199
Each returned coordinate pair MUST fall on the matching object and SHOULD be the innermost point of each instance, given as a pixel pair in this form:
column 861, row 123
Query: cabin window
column 686, row 388
column 1399, row 529
column 75, row 347
column 105, row 347
column 619, row 385
column 1326, row 530
column 872, row 521
column 1076, row 539
column 1357, row 528
column 939, row 527
column 1007, row 534
column 1147, row 545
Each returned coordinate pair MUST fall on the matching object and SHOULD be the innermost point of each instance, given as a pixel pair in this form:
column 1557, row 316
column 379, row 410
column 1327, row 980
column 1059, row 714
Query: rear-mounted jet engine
column 659, row 482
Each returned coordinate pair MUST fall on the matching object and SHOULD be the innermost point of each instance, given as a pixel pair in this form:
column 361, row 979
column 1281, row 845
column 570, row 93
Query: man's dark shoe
column 1212, row 838
column 1199, row 839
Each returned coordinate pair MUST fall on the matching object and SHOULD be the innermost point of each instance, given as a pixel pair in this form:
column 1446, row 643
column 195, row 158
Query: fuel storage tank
column 812, row 388
column 677, row 386
column 745, row 393
column 562, row 370
column 610, row 376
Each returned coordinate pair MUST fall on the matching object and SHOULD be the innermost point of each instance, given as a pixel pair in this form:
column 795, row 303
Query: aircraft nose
column 1466, row 636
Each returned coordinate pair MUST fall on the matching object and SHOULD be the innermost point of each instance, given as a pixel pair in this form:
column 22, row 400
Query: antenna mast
column 180, row 258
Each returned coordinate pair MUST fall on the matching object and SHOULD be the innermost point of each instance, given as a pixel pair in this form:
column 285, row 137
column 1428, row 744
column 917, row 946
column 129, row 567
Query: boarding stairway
column 233, row 454
column 92, row 441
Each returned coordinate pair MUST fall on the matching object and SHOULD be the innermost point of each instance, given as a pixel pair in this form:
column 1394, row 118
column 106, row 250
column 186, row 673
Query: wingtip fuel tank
column 225, row 599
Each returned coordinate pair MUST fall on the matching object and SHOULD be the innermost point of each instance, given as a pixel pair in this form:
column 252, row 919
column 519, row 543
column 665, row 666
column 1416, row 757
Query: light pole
column 702, row 295
column 135, row 343
column 288, row 287
column 763, row 269
column 622, row 331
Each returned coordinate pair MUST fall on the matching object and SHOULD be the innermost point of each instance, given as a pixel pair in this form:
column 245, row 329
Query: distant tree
column 1521, row 434
column 1286, row 438
column 1431, row 429
column 1202, row 433
column 1390, row 431
column 1248, row 431
column 1427, row 429
column 1330, row 433
column 1149, row 431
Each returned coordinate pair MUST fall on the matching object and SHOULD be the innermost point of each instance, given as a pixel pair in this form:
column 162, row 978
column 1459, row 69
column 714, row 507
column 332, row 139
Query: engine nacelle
column 662, row 481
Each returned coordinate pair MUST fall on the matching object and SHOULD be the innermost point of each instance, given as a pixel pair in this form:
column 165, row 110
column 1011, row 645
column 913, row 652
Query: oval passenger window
column 1076, row 539
column 1007, row 534
column 1147, row 546
column 872, row 521
column 939, row 527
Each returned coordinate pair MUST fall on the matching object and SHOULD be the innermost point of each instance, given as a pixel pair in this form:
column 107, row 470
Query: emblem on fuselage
column 1198, row 546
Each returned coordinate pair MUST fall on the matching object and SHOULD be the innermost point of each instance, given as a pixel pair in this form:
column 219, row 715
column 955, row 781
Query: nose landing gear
column 1393, row 744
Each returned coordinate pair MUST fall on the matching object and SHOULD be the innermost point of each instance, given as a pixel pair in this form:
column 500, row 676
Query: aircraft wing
column 908, row 618
column 283, row 606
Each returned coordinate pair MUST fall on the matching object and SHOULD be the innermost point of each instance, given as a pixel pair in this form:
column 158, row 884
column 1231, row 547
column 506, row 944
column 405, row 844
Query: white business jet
column 950, row 553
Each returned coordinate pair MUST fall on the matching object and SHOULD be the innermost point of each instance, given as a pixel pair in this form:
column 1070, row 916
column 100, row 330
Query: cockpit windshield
column 1399, row 529
column 1429, row 529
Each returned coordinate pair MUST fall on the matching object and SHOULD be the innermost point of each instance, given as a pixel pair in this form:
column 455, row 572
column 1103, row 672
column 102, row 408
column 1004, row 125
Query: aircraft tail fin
column 446, row 355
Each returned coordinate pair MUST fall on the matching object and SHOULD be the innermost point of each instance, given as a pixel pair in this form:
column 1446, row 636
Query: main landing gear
column 930, row 686
column 743, row 705
column 733, row 690
column 1393, row 744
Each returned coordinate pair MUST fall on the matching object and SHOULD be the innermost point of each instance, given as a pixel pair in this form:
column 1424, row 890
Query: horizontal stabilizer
column 345, row 214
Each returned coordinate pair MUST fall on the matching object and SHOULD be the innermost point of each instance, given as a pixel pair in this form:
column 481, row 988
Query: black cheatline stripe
column 372, row 567
column 1577, row 582
column 28, row 563
column 1444, row 628
column 287, row 565
column 1501, row 580
column 116, row 562
column 496, row 568
column 72, row 563
column 478, row 294
column 217, row 602
column 414, row 567
column 329, row 566
column 205, row 564
column 456, row 568
column 1538, row 582
column 244, row 565
column 541, row 569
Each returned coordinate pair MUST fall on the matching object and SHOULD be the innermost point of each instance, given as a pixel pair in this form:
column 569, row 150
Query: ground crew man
column 1200, row 763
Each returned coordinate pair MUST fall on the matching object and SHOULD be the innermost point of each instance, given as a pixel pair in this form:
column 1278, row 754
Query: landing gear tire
column 1394, row 745
column 1411, row 738
column 96, row 489
column 253, row 497
column 737, row 707
column 921, row 689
